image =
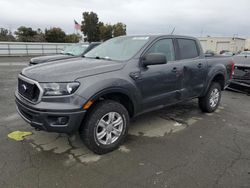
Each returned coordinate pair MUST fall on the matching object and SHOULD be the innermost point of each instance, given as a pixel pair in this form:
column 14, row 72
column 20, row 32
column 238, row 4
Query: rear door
column 194, row 68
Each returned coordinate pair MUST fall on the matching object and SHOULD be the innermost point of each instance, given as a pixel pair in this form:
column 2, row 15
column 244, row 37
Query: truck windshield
column 119, row 48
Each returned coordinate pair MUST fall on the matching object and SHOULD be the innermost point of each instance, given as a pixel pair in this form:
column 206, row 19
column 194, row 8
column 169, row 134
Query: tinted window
column 164, row 46
column 188, row 48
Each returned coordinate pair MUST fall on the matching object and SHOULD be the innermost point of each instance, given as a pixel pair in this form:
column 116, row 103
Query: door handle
column 174, row 69
column 199, row 65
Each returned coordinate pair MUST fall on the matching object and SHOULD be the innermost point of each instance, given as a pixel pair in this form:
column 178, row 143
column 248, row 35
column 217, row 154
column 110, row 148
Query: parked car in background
column 71, row 51
column 227, row 54
column 210, row 53
column 245, row 53
column 118, row 80
column 223, row 51
column 241, row 77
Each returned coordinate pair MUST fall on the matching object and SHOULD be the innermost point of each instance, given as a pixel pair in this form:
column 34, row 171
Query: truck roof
column 152, row 36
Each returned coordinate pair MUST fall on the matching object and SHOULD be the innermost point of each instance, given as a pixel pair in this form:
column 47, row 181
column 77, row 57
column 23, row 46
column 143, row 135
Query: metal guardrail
column 30, row 48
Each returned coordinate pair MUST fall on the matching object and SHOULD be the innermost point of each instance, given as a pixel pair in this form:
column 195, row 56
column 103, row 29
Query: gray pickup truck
column 118, row 80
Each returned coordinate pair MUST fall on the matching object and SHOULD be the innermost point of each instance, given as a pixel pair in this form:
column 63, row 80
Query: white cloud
column 223, row 17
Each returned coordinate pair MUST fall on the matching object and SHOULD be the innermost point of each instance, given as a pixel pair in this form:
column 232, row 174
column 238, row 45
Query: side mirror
column 154, row 59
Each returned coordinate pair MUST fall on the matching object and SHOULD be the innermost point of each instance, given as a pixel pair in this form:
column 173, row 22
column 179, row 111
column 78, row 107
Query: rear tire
column 105, row 126
column 210, row 102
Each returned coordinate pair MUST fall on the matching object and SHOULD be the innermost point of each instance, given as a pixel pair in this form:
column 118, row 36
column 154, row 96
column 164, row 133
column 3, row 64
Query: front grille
column 28, row 90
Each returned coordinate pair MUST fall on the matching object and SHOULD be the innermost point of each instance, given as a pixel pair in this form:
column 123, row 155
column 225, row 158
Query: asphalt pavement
column 178, row 146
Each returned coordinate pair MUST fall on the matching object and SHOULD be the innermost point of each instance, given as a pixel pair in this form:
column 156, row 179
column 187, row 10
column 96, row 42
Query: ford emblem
column 24, row 87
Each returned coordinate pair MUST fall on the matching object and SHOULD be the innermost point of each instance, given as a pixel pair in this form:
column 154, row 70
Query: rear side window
column 188, row 48
column 164, row 46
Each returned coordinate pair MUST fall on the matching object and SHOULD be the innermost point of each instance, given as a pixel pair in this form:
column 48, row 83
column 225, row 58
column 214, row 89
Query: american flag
column 77, row 25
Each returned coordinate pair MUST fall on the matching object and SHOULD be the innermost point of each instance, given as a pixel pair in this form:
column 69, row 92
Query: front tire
column 210, row 102
column 105, row 126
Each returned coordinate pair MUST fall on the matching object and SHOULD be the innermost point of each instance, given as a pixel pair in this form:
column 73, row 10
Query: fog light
column 62, row 121
column 59, row 121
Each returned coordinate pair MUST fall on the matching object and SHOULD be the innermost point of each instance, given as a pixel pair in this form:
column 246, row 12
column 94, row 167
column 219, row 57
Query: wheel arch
column 119, row 95
column 218, row 77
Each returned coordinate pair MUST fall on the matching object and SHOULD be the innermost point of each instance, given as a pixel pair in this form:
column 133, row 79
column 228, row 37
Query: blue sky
column 189, row 17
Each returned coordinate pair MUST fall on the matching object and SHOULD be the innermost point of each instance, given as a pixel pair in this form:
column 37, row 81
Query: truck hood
column 70, row 70
column 44, row 59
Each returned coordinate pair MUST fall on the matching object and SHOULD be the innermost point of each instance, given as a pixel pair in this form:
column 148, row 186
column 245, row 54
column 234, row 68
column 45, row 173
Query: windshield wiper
column 98, row 57
column 105, row 58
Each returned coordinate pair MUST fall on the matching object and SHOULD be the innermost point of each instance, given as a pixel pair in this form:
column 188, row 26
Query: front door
column 159, row 84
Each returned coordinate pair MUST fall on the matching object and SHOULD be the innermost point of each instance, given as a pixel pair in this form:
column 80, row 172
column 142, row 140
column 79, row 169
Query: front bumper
column 61, row 121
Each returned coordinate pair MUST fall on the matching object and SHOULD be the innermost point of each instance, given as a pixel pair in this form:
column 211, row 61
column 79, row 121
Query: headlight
column 57, row 89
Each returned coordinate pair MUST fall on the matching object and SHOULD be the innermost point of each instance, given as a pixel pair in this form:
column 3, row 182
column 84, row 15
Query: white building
column 217, row 44
column 247, row 45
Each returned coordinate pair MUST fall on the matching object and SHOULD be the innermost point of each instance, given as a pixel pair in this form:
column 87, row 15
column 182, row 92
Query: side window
column 164, row 46
column 188, row 48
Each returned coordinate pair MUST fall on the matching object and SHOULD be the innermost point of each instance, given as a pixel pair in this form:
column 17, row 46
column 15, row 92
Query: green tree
column 119, row 29
column 90, row 26
column 6, row 35
column 40, row 36
column 73, row 38
column 105, row 31
column 55, row 34
column 25, row 34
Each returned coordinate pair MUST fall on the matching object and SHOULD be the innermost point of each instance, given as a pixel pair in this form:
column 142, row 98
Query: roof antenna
column 172, row 31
